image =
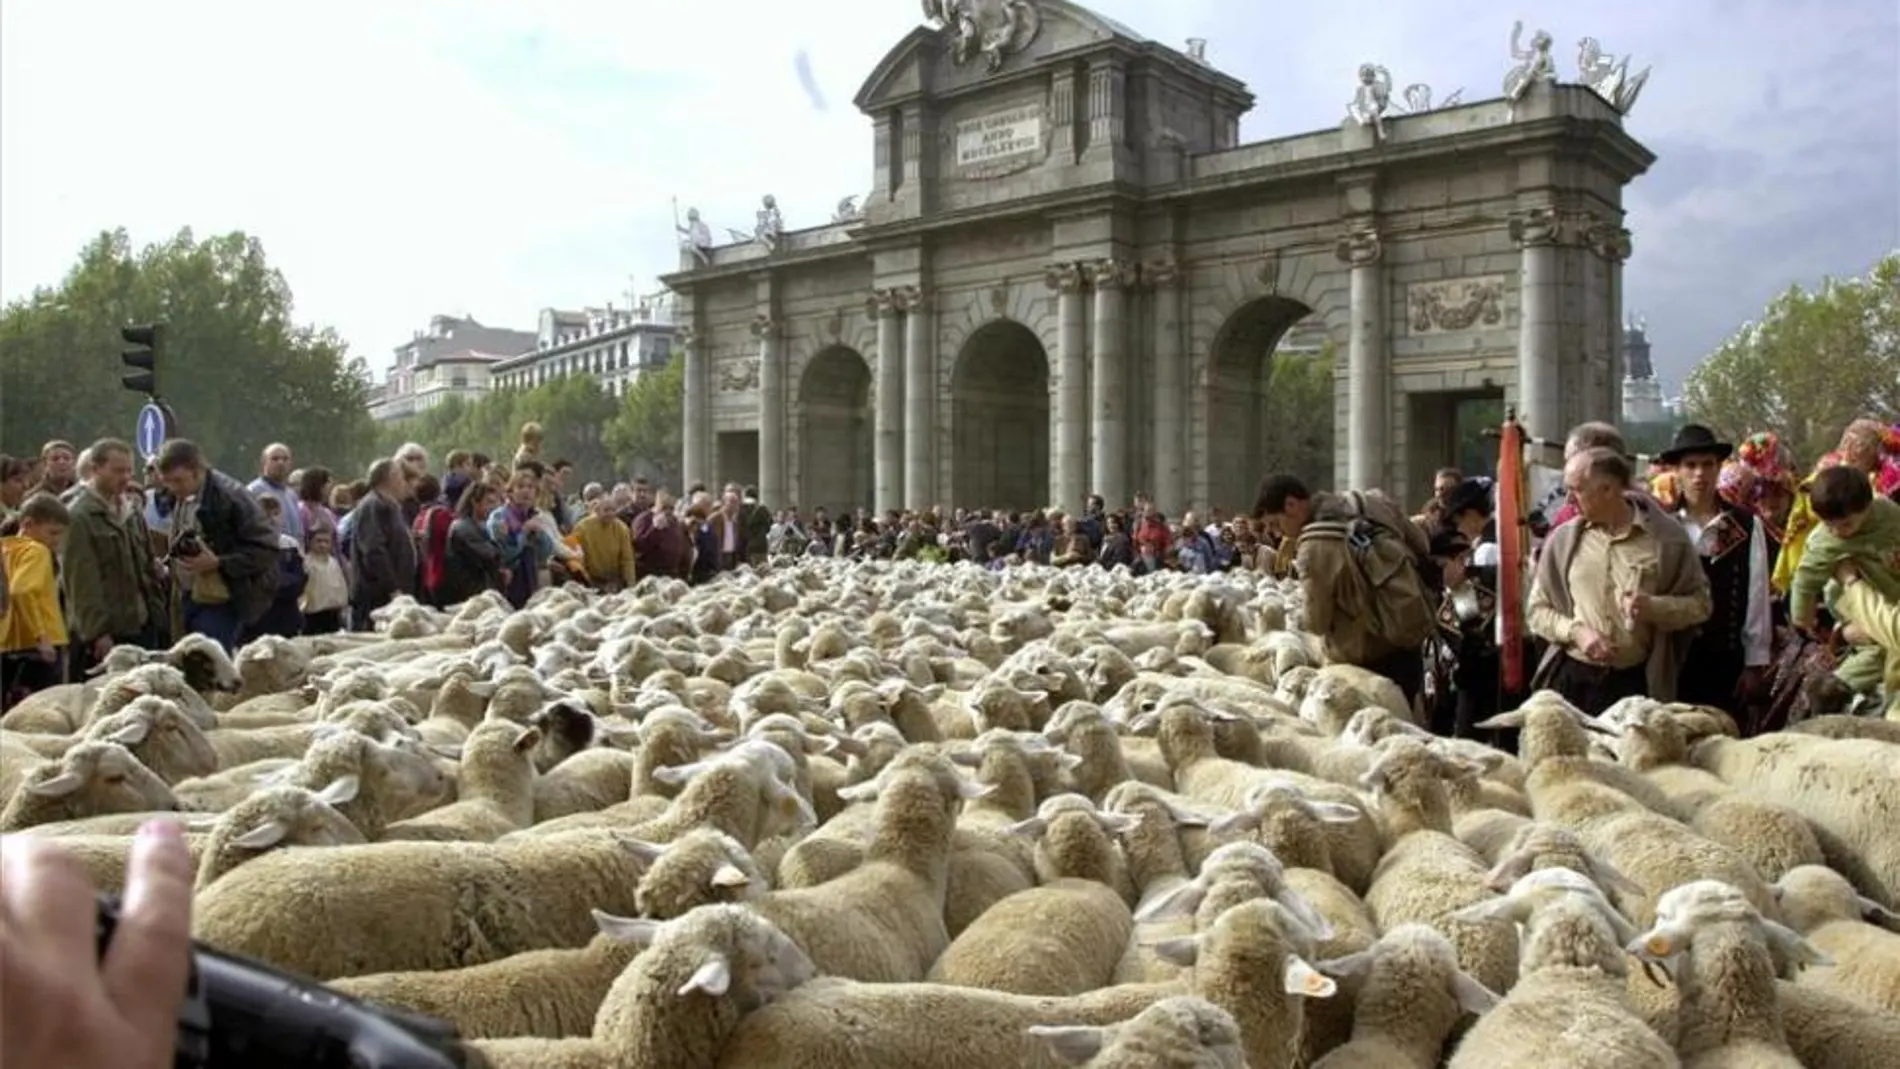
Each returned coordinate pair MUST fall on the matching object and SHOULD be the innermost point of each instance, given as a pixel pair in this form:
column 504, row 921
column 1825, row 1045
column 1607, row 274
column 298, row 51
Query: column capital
column 910, row 298
column 882, row 303
column 764, row 326
column 1164, row 273
column 1536, row 226
column 1110, row 273
column 687, row 337
column 1063, row 278
column 1608, row 240
column 1360, row 246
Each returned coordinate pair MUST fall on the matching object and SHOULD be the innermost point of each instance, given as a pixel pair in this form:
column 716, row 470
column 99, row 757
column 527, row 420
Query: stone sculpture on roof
column 1609, row 76
column 993, row 29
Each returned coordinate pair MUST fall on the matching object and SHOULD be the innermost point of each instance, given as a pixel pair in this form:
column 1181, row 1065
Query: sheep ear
column 966, row 758
column 1302, row 979
column 341, row 790
column 96, row 670
column 712, row 978
column 1117, row 823
column 527, row 740
column 1347, row 966
column 932, row 692
column 676, row 775
column 1610, row 878
column 1071, row 1045
column 730, row 875
column 445, row 750
column 1033, row 828
column 264, row 836
column 1335, row 812
column 58, row 787
column 1512, row 719
column 970, row 789
column 636, row 931
column 1798, row 952
column 482, row 689
column 1181, row 950
column 132, row 733
column 1303, row 912
column 1188, row 818
column 1508, row 871
column 858, row 792
column 1473, row 997
column 1874, row 913
column 1504, row 908
column 643, row 850
column 1180, row 902
column 1068, row 762
column 1240, row 822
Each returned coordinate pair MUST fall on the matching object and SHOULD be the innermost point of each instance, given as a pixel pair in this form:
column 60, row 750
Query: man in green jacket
column 111, row 585
column 1858, row 528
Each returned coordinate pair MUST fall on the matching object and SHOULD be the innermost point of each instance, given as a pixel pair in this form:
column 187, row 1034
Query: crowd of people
column 1726, row 579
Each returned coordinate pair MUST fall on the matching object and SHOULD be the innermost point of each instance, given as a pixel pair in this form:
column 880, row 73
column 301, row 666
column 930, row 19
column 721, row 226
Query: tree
column 576, row 414
column 236, row 368
column 646, row 432
column 1297, row 435
column 1811, row 364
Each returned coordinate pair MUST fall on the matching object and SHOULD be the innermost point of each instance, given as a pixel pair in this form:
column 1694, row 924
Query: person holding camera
column 223, row 550
column 65, row 1004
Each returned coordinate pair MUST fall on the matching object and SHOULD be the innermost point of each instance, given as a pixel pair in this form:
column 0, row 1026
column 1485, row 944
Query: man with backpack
column 1360, row 561
column 431, row 531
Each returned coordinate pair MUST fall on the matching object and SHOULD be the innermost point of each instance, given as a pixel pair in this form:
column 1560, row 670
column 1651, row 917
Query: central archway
column 1266, row 412
column 1000, row 419
column 835, row 407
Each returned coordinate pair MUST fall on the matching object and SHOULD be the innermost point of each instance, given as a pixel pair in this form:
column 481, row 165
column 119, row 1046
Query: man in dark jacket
column 382, row 553
column 223, row 548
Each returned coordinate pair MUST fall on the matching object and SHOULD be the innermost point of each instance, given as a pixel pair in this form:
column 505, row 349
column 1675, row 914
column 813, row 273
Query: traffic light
column 142, row 358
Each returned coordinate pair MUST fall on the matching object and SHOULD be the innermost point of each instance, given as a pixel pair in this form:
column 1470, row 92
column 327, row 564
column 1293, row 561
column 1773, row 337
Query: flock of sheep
column 862, row 816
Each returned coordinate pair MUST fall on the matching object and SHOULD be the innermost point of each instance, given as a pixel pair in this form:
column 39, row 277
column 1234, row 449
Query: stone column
column 1539, row 376
column 774, row 492
column 1108, row 395
column 1368, row 371
column 920, row 489
column 1070, row 433
column 887, row 459
column 1611, row 241
column 1170, row 488
column 696, row 419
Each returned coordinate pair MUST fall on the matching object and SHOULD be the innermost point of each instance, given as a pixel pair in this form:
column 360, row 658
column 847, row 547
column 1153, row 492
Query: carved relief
column 739, row 376
column 909, row 298
column 1360, row 246
column 686, row 337
column 1063, row 278
column 993, row 29
column 1161, row 274
column 763, row 325
column 1608, row 240
column 999, row 298
column 881, row 303
column 834, row 324
column 1111, row 273
column 1268, row 273
column 1455, row 304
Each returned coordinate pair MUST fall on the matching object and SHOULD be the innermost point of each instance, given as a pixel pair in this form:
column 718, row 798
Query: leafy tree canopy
column 236, row 368
column 1814, row 361
column 1297, row 429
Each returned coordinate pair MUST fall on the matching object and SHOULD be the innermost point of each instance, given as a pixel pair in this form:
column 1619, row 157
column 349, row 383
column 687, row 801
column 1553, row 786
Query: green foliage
column 1297, row 433
column 574, row 412
column 236, row 369
column 1648, row 439
column 1814, row 362
column 645, row 433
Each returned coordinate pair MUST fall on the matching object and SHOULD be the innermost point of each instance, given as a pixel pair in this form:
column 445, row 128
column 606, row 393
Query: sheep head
column 1687, row 909
column 716, row 951
column 207, row 668
column 1193, row 1031
column 95, row 778
column 1415, row 953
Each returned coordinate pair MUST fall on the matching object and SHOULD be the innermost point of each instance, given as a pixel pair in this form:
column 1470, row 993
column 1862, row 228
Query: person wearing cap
column 1469, row 610
column 1730, row 655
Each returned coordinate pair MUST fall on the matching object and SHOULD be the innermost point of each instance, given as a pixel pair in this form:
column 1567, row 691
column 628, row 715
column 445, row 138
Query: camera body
column 188, row 545
column 240, row 1014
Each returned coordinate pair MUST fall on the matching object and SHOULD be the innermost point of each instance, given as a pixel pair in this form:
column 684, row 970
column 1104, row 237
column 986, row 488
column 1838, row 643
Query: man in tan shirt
column 1618, row 594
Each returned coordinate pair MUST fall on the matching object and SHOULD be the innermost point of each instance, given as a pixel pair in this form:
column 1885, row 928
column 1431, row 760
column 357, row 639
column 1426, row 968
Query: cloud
column 493, row 157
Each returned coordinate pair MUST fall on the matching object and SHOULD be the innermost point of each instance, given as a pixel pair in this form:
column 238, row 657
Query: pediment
column 924, row 64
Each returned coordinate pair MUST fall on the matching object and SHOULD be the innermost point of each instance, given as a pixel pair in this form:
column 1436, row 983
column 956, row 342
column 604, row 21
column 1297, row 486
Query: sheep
column 154, row 729
column 91, row 778
column 1411, row 993
column 495, row 794
column 274, row 818
column 270, row 665
column 1075, row 840
column 1427, row 875
column 389, row 907
column 1103, row 758
column 393, row 779
column 1726, row 956
column 1569, row 1009
column 586, row 782
column 1827, row 1030
column 1820, row 904
column 1183, row 1032
column 1062, row 938
column 698, row 868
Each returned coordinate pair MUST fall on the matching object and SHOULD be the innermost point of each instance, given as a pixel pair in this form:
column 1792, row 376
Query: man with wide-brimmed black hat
column 1726, row 661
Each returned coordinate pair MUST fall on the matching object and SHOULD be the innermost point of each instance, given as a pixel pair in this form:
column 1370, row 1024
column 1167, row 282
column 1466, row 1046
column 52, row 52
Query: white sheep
column 495, row 792
column 1843, row 924
column 91, row 778
column 1410, row 995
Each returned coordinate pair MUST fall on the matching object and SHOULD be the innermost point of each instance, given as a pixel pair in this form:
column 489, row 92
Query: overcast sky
column 400, row 158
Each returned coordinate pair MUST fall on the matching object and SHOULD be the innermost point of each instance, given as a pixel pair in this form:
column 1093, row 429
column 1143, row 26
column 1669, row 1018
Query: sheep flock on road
column 862, row 816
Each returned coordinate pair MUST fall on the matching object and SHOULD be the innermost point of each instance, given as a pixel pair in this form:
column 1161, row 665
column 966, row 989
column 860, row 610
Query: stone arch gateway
column 999, row 422
column 835, row 424
column 1089, row 185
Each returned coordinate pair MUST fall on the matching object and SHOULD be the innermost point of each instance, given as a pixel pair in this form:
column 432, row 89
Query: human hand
column 1636, row 606
column 65, row 1004
column 1592, row 644
column 46, row 651
column 1846, row 571
column 101, row 646
column 204, row 561
column 1854, row 635
column 507, row 576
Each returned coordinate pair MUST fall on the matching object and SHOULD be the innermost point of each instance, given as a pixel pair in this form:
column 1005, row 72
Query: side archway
column 835, row 398
column 1000, row 419
column 1263, row 413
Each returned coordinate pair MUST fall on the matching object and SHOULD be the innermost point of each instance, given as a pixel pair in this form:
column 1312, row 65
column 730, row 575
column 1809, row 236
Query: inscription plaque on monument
column 1000, row 141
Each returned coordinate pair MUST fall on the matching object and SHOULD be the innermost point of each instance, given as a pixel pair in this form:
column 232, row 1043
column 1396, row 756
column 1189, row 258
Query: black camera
column 240, row 1014
column 188, row 545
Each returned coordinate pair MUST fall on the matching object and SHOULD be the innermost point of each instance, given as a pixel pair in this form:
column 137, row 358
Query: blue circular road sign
column 154, row 427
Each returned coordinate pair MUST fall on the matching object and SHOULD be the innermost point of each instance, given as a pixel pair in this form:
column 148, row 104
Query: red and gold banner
column 1514, row 538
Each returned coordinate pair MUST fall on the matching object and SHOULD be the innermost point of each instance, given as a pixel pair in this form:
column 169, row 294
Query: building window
column 459, row 380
